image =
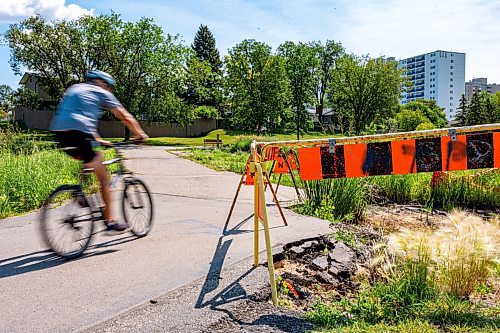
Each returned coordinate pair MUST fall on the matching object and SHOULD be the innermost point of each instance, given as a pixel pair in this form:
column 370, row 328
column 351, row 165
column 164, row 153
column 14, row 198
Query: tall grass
column 425, row 284
column 461, row 256
column 30, row 169
column 470, row 189
column 344, row 199
column 26, row 180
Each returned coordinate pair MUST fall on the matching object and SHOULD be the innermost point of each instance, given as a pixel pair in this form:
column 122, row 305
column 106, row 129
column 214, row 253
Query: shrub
column 206, row 112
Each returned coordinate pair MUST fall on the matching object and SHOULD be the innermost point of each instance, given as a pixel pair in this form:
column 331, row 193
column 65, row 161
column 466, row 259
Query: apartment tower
column 439, row 76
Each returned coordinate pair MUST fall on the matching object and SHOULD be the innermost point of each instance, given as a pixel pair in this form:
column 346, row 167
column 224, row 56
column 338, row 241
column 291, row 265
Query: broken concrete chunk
column 320, row 263
column 297, row 250
column 326, row 278
column 341, row 253
column 340, row 271
column 309, row 244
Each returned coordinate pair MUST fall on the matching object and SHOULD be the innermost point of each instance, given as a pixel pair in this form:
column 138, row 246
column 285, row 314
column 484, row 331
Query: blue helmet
column 100, row 75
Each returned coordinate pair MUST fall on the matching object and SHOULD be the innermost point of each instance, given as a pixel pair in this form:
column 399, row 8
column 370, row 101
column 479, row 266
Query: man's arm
column 126, row 118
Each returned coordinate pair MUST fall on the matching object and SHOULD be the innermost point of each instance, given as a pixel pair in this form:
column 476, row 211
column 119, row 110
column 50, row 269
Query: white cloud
column 12, row 11
column 405, row 28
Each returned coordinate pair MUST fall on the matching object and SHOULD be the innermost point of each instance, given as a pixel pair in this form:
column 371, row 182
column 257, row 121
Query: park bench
column 215, row 142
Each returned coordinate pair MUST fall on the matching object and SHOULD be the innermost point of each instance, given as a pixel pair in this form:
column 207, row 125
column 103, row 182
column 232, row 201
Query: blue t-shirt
column 81, row 107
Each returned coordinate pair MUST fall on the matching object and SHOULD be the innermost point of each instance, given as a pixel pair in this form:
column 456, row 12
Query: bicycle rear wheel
column 67, row 222
column 137, row 207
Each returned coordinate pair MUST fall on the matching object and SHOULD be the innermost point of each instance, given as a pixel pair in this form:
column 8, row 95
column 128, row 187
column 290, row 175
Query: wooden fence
column 36, row 119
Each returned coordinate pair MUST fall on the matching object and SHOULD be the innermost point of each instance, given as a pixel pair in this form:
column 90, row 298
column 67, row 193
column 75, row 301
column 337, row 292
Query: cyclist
column 75, row 127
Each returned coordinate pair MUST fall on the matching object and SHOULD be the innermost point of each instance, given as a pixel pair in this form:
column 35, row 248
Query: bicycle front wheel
column 67, row 222
column 137, row 207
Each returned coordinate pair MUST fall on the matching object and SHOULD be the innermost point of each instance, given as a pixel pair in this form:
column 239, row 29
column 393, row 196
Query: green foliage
column 325, row 65
column 205, row 49
column 430, row 110
column 257, row 86
column 335, row 200
column 420, row 115
column 471, row 189
column 484, row 108
column 206, row 112
column 147, row 65
column 242, row 144
column 299, row 64
column 27, row 98
column 408, row 120
column 465, row 189
column 204, row 77
column 6, row 93
column 364, row 90
column 220, row 160
column 425, row 126
column 409, row 292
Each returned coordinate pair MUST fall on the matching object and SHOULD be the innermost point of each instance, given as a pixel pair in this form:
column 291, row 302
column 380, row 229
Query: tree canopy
column 364, row 90
column 257, row 87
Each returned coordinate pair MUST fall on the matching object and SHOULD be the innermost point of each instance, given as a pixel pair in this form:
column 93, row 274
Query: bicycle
column 74, row 214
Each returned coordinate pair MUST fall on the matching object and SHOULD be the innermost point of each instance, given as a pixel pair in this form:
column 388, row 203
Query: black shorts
column 76, row 144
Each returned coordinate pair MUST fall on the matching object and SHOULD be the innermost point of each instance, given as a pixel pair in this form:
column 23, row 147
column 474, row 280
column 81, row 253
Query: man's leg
column 102, row 175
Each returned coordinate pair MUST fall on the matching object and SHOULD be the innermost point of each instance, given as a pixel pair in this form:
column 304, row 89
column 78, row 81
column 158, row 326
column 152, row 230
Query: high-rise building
column 477, row 85
column 439, row 76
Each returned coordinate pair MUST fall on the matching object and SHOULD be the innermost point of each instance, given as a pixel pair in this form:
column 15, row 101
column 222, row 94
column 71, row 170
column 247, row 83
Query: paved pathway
column 42, row 293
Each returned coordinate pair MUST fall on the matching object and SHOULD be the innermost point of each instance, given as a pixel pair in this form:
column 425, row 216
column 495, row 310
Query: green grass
column 26, row 180
column 31, row 168
column 470, row 189
column 231, row 137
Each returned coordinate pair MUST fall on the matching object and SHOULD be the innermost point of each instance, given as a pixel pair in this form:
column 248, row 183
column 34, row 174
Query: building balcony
column 420, row 70
column 420, row 64
column 422, row 57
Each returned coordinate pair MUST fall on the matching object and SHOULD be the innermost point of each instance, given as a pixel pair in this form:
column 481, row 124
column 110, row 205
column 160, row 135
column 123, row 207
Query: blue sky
column 398, row 28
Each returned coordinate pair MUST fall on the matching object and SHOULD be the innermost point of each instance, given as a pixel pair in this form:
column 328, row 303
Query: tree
column 476, row 114
column 365, row 90
column 6, row 93
column 425, row 126
column 205, row 49
column 147, row 64
column 204, row 70
column 462, row 111
column 408, row 120
column 299, row 64
column 47, row 49
column 326, row 64
column 257, row 87
column 430, row 110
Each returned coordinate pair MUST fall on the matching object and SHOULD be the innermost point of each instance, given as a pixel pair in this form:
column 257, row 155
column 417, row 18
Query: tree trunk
column 319, row 112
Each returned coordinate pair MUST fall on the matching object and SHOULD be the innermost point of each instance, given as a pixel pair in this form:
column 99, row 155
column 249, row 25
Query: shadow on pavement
column 39, row 260
column 234, row 291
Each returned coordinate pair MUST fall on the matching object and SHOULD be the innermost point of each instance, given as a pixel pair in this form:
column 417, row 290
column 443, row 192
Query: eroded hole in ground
column 321, row 269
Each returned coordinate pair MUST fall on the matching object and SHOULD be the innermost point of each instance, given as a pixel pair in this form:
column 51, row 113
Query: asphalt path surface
column 43, row 293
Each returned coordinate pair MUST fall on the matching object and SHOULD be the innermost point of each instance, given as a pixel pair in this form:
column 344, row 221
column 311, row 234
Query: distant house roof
column 26, row 77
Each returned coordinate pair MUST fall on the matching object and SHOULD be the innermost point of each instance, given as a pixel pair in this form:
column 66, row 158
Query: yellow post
column 256, row 207
column 270, row 262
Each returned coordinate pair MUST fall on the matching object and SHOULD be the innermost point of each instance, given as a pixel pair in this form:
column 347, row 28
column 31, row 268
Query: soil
column 332, row 267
